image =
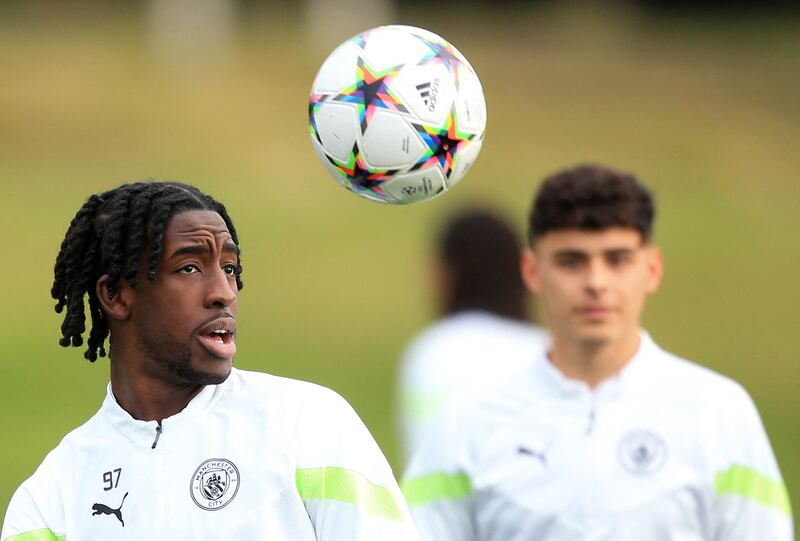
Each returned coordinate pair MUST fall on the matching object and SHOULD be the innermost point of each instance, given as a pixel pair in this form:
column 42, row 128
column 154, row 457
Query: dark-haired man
column 606, row 436
column 185, row 446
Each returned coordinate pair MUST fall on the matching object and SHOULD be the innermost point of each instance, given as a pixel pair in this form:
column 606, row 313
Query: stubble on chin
column 185, row 370
column 178, row 362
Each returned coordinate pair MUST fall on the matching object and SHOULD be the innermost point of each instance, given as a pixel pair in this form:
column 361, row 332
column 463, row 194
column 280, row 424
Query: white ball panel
column 470, row 103
column 416, row 186
column 338, row 70
column 337, row 125
column 375, row 197
column 427, row 91
column 390, row 142
column 465, row 157
column 430, row 36
column 320, row 152
column 389, row 46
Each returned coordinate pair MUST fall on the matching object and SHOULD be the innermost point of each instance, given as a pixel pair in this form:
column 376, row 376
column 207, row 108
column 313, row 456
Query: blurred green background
column 703, row 106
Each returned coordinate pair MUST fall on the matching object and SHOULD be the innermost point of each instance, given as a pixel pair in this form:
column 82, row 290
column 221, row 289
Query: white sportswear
column 463, row 350
column 257, row 457
column 665, row 450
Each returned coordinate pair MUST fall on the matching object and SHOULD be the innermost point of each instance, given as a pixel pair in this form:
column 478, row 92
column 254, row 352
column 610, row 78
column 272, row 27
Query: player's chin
column 595, row 336
column 197, row 368
column 209, row 368
column 212, row 373
column 215, row 378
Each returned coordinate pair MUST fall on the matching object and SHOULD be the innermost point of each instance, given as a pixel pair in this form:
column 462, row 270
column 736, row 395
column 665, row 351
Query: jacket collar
column 633, row 375
column 143, row 433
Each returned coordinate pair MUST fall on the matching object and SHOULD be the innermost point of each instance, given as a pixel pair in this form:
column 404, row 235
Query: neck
column 593, row 362
column 147, row 397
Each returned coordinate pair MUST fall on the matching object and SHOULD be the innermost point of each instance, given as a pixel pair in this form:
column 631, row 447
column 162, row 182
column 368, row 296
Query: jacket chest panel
column 598, row 474
column 186, row 488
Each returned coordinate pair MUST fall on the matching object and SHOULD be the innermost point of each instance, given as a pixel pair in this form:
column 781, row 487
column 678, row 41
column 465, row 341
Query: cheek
column 636, row 290
column 557, row 294
column 166, row 308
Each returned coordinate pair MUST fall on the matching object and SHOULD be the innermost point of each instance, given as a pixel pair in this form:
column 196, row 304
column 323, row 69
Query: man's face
column 592, row 283
column 185, row 320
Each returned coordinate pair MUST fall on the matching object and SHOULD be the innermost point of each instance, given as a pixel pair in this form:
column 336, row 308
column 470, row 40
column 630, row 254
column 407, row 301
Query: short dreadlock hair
column 107, row 236
column 591, row 197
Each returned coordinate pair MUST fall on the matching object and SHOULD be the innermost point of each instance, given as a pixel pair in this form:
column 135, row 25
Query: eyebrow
column 229, row 246
column 570, row 253
column 199, row 249
column 579, row 253
column 619, row 251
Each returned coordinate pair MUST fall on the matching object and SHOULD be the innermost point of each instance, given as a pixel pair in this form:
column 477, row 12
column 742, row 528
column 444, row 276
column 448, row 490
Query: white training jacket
column 469, row 348
column 257, row 457
column 666, row 450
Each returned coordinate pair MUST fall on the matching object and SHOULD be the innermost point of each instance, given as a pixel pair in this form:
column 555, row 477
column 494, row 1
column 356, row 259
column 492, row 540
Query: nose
column 221, row 290
column 596, row 277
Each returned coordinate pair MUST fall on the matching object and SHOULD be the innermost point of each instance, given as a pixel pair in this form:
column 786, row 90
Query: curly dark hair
column 107, row 236
column 482, row 253
column 591, row 197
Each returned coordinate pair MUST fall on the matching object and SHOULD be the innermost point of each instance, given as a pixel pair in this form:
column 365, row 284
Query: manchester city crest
column 642, row 452
column 214, row 484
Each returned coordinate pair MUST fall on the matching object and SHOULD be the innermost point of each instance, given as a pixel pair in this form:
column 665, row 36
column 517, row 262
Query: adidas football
column 397, row 115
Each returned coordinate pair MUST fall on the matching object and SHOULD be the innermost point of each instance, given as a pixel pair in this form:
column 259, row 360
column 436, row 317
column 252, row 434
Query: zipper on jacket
column 592, row 418
column 158, row 435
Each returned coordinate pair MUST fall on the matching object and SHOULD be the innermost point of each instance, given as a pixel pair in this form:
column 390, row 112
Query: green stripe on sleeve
column 422, row 406
column 750, row 484
column 45, row 534
column 347, row 486
column 436, row 486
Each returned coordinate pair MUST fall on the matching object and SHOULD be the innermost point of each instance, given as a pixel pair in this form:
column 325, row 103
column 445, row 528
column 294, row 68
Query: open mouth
column 219, row 337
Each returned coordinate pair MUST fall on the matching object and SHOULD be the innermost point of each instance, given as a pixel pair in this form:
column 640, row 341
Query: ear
column 655, row 269
column 115, row 306
column 529, row 268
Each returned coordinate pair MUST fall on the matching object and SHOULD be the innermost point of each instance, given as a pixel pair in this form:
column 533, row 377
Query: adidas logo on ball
column 429, row 92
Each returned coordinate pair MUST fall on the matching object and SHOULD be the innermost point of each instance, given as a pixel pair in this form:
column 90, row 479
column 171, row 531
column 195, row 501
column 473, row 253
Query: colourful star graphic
column 441, row 53
column 443, row 144
column 314, row 104
column 358, row 177
column 371, row 92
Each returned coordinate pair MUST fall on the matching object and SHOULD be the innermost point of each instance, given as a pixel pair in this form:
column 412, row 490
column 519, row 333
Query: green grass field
column 335, row 285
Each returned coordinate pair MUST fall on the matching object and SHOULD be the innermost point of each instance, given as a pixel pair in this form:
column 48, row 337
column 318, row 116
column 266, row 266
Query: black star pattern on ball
column 443, row 54
column 370, row 92
column 443, row 145
column 359, row 177
column 446, row 153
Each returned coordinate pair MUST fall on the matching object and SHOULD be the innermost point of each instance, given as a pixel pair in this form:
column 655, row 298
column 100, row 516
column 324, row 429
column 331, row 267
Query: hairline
column 645, row 240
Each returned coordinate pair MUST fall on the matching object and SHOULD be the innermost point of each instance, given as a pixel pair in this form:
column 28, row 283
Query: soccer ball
column 397, row 115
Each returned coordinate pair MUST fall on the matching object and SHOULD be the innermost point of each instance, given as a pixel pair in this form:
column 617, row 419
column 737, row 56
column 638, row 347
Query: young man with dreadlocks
column 605, row 436
column 185, row 446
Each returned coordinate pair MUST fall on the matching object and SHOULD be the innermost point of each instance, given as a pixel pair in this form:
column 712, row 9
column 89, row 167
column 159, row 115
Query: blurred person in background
column 605, row 436
column 485, row 331
column 185, row 446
